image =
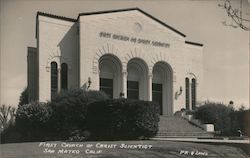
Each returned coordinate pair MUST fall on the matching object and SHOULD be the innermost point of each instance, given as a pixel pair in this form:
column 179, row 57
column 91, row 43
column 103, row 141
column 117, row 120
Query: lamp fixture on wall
column 178, row 93
column 89, row 82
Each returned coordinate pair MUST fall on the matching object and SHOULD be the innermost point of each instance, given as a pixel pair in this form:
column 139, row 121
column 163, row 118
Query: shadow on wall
column 69, row 48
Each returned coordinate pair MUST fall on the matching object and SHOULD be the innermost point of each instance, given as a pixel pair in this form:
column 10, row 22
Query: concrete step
column 184, row 134
column 175, row 126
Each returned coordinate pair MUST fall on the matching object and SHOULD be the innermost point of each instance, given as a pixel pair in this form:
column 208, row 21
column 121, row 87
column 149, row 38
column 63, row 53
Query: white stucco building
column 126, row 53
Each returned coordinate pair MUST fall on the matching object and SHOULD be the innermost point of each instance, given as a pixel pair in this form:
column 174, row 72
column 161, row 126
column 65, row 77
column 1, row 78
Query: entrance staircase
column 177, row 126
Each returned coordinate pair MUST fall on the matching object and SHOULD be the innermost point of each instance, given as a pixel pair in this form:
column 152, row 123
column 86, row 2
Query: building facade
column 125, row 53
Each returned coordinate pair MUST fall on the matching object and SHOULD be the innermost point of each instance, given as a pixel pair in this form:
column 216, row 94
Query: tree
column 24, row 97
column 242, row 108
column 7, row 114
column 238, row 16
column 217, row 114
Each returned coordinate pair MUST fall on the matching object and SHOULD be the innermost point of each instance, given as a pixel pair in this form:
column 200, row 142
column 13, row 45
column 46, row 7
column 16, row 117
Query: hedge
column 63, row 118
column 32, row 121
column 10, row 135
column 122, row 119
column 227, row 121
column 240, row 120
column 69, row 111
column 77, row 114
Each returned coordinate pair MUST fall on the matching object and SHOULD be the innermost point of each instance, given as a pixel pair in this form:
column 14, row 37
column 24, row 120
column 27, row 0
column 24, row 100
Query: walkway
column 225, row 140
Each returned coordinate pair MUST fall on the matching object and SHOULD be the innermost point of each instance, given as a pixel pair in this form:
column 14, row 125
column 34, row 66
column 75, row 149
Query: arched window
column 54, row 79
column 187, row 93
column 64, row 76
column 193, row 93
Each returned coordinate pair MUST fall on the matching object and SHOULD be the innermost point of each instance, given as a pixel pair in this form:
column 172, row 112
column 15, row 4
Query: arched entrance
column 162, row 87
column 110, row 68
column 137, row 79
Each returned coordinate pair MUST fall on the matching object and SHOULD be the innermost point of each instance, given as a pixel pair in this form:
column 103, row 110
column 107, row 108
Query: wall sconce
column 89, row 82
column 178, row 93
column 180, row 90
column 47, row 68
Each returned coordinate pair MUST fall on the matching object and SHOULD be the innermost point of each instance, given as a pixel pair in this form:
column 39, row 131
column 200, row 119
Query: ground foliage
column 122, row 119
column 226, row 119
column 77, row 115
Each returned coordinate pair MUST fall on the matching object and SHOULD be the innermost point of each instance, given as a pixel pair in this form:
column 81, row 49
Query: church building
column 125, row 53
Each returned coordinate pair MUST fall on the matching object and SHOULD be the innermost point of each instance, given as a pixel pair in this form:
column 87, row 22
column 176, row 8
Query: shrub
column 240, row 120
column 11, row 135
column 122, row 119
column 79, row 135
column 32, row 121
column 69, row 111
column 24, row 97
column 217, row 114
column 7, row 115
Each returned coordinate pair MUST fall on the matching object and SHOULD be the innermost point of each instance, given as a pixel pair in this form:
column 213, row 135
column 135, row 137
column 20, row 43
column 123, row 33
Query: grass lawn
column 119, row 149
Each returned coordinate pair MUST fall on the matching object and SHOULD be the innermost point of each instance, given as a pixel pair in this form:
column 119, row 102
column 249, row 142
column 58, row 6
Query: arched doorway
column 110, row 75
column 162, row 87
column 137, row 79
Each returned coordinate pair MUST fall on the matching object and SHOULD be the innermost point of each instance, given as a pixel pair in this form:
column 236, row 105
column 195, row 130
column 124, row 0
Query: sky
column 225, row 54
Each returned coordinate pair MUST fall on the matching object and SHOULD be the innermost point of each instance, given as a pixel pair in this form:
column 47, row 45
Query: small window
column 64, row 76
column 187, row 93
column 193, row 92
column 54, row 79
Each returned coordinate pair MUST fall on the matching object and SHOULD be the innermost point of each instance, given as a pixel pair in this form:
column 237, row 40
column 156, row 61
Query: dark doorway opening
column 106, row 85
column 133, row 90
column 157, row 95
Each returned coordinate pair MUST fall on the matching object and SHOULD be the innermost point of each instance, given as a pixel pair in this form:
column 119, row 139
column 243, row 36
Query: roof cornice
column 109, row 11
column 56, row 16
column 52, row 16
column 132, row 9
column 194, row 43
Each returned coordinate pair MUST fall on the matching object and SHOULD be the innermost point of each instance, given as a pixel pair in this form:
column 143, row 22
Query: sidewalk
column 244, row 141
